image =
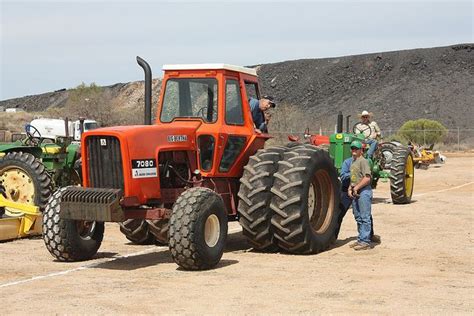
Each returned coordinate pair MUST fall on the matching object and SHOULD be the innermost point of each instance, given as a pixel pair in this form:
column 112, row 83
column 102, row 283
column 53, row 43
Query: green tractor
column 30, row 169
column 392, row 161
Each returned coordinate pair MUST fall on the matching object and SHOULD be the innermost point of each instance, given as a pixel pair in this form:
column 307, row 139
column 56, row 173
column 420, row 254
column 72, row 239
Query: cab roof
column 246, row 70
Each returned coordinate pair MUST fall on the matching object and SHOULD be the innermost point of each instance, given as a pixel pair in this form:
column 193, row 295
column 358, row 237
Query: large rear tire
column 402, row 176
column 386, row 152
column 137, row 231
column 305, row 200
column 25, row 179
column 254, row 198
column 198, row 229
column 69, row 240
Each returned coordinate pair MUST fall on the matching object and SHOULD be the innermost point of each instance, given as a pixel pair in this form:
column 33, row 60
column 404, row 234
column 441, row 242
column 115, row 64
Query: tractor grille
column 104, row 161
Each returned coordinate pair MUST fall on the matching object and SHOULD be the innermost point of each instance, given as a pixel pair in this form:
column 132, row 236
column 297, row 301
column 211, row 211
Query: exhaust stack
column 347, row 123
column 147, row 70
column 339, row 122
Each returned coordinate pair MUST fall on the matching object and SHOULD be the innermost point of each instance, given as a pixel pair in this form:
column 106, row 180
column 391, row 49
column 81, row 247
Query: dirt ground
column 424, row 265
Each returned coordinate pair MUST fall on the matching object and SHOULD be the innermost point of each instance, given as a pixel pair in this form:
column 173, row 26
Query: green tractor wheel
column 24, row 179
column 402, row 176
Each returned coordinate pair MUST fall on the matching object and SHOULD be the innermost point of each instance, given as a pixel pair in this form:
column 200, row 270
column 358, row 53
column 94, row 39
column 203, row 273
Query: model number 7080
column 144, row 163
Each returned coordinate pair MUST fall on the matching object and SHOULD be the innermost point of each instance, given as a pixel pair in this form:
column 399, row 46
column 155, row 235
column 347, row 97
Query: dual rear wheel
column 298, row 208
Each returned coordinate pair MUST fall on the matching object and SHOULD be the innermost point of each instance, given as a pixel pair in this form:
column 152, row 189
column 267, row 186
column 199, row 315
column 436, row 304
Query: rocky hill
column 435, row 83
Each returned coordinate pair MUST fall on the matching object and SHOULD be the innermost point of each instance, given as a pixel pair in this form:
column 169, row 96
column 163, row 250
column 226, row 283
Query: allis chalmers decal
column 177, row 138
column 144, row 168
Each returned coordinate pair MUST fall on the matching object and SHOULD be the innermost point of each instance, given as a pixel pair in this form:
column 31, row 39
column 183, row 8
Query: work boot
column 361, row 246
column 353, row 244
column 376, row 239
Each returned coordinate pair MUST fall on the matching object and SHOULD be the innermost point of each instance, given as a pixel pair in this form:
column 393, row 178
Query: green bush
column 423, row 131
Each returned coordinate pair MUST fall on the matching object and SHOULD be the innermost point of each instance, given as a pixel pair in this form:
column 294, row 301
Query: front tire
column 69, row 240
column 305, row 200
column 198, row 229
column 402, row 176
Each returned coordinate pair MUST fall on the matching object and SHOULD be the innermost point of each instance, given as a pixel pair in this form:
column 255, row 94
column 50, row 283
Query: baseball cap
column 270, row 98
column 357, row 144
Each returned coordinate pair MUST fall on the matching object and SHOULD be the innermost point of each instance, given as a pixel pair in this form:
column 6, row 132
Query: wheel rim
column 19, row 187
column 85, row 229
column 321, row 192
column 311, row 200
column 409, row 176
column 212, row 230
column 388, row 156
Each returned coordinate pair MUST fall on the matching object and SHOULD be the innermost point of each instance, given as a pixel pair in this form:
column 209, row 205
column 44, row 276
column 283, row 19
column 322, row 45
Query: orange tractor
column 201, row 164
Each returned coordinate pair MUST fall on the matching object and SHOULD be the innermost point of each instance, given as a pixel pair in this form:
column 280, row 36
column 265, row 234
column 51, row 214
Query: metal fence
column 457, row 139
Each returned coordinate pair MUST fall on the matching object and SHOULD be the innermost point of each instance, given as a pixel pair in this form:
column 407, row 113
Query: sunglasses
column 365, row 117
column 354, row 148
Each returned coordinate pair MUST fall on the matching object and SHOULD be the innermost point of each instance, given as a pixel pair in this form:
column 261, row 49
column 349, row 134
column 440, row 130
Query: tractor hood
column 126, row 157
column 150, row 139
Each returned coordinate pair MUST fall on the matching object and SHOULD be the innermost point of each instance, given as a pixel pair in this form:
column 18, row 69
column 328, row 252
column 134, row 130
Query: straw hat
column 365, row 113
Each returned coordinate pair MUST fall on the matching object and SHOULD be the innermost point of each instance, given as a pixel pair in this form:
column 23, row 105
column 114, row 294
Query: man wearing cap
column 370, row 139
column 360, row 191
column 258, row 109
column 346, row 201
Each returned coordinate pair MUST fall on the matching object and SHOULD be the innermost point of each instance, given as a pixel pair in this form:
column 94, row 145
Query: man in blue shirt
column 258, row 108
column 346, row 201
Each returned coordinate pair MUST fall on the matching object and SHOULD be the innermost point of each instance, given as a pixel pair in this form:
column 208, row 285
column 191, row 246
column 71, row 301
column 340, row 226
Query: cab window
column 206, row 151
column 190, row 98
column 231, row 151
column 233, row 103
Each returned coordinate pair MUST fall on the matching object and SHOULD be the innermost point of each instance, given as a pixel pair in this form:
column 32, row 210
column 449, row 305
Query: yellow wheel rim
column 409, row 176
column 19, row 186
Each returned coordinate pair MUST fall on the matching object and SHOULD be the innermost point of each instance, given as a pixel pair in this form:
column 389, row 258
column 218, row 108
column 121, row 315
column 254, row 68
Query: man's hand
column 352, row 192
column 258, row 131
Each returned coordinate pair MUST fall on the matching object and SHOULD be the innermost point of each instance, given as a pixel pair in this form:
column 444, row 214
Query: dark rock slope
column 435, row 83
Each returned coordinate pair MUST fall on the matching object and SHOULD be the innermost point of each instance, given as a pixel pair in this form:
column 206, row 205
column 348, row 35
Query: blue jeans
column 373, row 145
column 362, row 208
column 344, row 205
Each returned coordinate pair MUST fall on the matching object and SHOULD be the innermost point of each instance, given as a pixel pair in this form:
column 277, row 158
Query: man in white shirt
column 372, row 134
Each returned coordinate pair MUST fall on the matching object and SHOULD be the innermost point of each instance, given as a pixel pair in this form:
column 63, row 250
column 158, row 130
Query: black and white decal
column 144, row 168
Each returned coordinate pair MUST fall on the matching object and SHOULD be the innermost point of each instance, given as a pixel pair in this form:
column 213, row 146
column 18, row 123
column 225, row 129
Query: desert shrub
column 423, row 131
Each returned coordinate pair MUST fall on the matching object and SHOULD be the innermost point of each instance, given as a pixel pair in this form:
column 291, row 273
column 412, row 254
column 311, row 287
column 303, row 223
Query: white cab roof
column 246, row 70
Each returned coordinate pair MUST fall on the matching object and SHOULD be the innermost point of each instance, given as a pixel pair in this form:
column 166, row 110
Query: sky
column 50, row 45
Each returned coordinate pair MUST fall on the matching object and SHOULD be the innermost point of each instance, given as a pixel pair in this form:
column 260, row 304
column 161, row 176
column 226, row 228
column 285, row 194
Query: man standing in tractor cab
column 360, row 191
column 375, row 134
column 258, row 109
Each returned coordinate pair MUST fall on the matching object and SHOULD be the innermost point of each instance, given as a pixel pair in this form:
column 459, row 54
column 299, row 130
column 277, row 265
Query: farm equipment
column 391, row 160
column 423, row 157
column 199, row 166
column 18, row 220
column 29, row 171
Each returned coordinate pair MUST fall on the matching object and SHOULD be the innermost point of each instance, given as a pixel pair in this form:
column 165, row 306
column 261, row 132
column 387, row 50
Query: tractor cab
column 217, row 96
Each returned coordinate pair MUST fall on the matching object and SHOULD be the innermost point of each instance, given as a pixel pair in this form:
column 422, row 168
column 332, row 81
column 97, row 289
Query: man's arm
column 255, row 111
column 376, row 128
column 346, row 170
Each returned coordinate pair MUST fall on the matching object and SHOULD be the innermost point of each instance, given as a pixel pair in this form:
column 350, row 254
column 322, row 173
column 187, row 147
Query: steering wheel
column 362, row 128
column 34, row 136
column 202, row 112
